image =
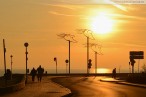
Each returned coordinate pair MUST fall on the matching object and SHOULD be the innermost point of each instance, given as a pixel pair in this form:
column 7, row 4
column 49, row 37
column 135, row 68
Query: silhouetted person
column 114, row 73
column 33, row 74
column 40, row 72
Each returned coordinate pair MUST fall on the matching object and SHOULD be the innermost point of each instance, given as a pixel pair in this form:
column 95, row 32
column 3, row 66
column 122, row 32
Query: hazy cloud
column 94, row 1
column 71, row 7
column 78, row 1
column 138, row 44
column 126, row 16
column 57, row 13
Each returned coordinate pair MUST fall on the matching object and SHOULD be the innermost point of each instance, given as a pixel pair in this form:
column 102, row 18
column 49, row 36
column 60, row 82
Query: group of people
column 39, row 72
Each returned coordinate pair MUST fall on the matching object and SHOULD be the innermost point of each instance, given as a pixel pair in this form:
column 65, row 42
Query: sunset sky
column 118, row 28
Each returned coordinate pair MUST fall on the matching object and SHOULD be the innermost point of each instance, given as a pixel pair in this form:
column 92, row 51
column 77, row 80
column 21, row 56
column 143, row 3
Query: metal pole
column 138, row 65
column 69, row 56
column 26, row 45
column 96, row 62
column 55, row 59
column 26, row 64
column 132, row 69
column 87, row 54
column 56, row 66
column 5, row 62
column 66, row 68
column 119, row 69
column 11, row 65
column 4, row 56
column 129, row 68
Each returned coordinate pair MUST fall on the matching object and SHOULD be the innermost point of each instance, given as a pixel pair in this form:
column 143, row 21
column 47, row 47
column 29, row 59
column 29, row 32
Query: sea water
column 61, row 71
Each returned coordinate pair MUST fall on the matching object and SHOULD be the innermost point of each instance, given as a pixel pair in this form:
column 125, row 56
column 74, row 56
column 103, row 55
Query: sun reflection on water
column 101, row 70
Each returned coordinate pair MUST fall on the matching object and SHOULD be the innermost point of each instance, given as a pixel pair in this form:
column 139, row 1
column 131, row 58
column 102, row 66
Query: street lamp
column 11, row 65
column 26, row 45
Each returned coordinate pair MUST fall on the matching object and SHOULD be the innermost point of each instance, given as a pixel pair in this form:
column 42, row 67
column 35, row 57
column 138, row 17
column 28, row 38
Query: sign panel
column 136, row 53
column 136, row 57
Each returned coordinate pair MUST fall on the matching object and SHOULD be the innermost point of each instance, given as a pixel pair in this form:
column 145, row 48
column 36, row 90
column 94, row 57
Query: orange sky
column 39, row 21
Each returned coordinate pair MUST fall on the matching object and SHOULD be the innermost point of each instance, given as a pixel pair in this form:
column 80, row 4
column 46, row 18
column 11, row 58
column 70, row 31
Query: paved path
column 93, row 87
column 122, row 82
column 46, row 88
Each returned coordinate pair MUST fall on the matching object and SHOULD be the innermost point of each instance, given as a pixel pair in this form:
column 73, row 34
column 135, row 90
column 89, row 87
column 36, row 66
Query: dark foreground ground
column 93, row 87
column 79, row 85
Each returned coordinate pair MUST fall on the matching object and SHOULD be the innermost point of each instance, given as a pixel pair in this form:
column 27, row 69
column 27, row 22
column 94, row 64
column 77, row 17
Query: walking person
column 114, row 73
column 40, row 72
column 33, row 74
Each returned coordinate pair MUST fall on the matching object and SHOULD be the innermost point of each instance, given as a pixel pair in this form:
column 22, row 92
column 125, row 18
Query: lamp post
column 55, row 59
column 26, row 45
column 11, row 65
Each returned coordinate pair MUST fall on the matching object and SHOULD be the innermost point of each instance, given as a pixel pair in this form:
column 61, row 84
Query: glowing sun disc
column 102, row 24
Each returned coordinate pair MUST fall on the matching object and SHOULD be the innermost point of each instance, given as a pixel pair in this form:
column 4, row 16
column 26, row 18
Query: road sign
column 136, row 55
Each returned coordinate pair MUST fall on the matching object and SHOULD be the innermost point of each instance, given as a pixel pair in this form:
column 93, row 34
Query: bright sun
column 102, row 24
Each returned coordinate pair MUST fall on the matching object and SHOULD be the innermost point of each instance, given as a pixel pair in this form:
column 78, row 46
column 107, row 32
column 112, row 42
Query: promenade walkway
column 46, row 88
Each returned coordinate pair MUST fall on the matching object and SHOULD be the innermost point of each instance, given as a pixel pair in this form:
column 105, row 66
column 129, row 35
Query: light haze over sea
column 53, row 71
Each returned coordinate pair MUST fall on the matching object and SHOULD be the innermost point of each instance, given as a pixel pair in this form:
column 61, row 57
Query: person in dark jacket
column 114, row 73
column 33, row 74
column 40, row 72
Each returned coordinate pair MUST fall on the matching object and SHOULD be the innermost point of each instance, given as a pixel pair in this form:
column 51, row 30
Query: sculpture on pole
column 89, row 35
column 97, row 50
column 69, row 38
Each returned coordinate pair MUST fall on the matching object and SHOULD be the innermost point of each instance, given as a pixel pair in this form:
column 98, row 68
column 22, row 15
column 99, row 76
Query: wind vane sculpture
column 89, row 34
column 86, row 32
column 69, row 38
column 97, row 50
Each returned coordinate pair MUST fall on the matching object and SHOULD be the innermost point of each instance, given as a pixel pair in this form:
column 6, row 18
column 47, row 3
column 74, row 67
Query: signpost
column 26, row 45
column 135, row 55
column 55, row 59
column 5, row 68
column 11, row 65
column 66, row 61
column 4, row 55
